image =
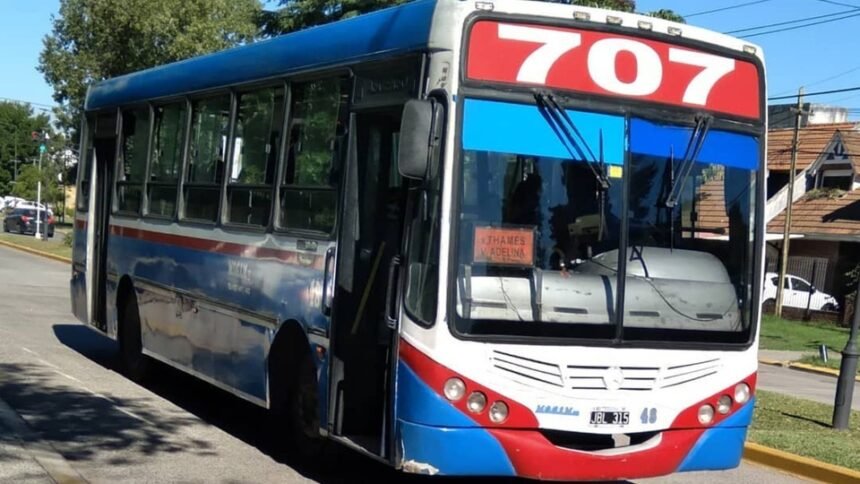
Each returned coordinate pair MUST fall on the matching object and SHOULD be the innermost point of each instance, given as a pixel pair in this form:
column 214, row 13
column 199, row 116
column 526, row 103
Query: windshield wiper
column 694, row 146
column 571, row 138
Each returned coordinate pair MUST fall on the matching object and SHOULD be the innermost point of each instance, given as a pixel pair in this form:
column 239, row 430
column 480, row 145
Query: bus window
column 169, row 134
column 256, row 139
column 135, row 136
column 83, row 197
column 210, row 119
column 317, row 127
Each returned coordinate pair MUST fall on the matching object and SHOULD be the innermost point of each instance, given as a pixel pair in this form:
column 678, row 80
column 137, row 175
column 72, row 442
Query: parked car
column 797, row 293
column 23, row 221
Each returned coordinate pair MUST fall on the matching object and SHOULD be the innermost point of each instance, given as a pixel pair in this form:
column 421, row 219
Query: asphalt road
column 64, row 409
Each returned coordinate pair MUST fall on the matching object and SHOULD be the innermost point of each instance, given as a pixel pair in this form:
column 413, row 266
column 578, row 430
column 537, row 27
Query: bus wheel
column 303, row 412
column 135, row 365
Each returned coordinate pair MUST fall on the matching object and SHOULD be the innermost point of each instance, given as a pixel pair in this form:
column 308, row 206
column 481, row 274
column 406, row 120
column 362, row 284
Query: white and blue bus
column 502, row 238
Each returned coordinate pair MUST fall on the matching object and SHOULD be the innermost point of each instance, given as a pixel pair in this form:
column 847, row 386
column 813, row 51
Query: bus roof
column 393, row 31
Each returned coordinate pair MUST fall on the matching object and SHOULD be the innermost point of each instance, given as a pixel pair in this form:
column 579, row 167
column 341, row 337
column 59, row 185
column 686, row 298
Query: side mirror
column 418, row 137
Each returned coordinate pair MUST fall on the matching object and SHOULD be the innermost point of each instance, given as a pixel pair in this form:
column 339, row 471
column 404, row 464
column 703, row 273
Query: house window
column 256, row 139
column 841, row 179
column 316, row 145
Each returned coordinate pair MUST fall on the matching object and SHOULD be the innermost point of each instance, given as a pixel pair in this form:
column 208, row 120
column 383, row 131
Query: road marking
column 81, row 385
column 39, row 450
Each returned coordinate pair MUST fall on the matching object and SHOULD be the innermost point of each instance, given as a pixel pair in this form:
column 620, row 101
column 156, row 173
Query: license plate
column 604, row 417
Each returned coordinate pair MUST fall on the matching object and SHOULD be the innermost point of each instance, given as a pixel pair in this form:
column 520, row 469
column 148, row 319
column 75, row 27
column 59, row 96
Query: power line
column 730, row 7
column 21, row 101
column 800, row 26
column 789, row 22
column 831, row 2
column 818, row 93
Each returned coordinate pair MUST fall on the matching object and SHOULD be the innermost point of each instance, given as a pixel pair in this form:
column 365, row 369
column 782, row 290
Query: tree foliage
column 93, row 40
column 299, row 14
column 17, row 122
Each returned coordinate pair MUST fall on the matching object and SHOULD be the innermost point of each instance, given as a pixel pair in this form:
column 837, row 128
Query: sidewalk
column 780, row 356
column 25, row 457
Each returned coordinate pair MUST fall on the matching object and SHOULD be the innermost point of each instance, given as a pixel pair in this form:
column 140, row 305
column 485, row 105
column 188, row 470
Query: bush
column 68, row 239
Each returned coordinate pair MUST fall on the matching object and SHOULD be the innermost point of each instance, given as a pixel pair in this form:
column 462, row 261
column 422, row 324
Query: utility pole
column 847, row 372
column 783, row 260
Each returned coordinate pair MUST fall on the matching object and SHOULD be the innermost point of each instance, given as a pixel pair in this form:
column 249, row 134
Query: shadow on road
column 231, row 414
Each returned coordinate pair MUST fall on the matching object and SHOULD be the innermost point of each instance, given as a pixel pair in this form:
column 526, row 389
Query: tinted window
column 206, row 157
column 135, row 137
column 256, row 141
column 168, row 139
column 316, row 144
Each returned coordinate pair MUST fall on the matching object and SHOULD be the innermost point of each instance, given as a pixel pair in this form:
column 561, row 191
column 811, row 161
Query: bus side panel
column 211, row 313
column 78, row 283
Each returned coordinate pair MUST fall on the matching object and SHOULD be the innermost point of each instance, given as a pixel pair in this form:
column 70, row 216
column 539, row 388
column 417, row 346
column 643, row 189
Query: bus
column 493, row 237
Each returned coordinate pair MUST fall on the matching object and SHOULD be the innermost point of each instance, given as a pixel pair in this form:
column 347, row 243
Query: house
column 825, row 227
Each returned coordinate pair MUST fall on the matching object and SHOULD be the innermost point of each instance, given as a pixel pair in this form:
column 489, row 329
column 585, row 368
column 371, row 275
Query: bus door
column 370, row 242
column 104, row 147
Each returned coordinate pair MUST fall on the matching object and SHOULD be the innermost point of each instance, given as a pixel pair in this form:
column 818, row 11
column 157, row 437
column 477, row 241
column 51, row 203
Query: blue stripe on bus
column 722, row 446
column 720, row 147
column 522, row 129
column 385, row 33
column 433, row 432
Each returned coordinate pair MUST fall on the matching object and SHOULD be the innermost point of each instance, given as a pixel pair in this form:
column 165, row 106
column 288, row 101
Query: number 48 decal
column 602, row 62
column 649, row 415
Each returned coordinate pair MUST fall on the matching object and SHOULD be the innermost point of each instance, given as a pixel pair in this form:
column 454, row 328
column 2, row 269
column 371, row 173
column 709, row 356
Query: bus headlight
column 724, row 404
column 498, row 412
column 706, row 414
column 476, row 402
column 454, row 389
column 742, row 393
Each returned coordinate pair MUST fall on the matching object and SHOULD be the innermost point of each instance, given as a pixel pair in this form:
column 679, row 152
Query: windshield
column 540, row 232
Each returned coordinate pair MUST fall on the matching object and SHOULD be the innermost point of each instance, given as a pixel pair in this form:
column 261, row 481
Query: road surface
column 65, row 411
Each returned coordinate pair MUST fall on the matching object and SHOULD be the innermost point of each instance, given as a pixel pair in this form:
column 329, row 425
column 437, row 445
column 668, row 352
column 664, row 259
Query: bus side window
column 135, row 136
column 166, row 159
column 84, row 168
column 210, row 121
column 256, row 142
column 317, row 131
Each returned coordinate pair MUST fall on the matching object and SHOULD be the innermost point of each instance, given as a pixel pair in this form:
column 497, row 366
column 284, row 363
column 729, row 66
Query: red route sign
column 612, row 65
column 505, row 246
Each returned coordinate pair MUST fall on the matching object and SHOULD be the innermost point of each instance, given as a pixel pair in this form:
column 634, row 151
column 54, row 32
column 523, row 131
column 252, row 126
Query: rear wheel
column 302, row 412
column 769, row 305
column 135, row 365
column 829, row 307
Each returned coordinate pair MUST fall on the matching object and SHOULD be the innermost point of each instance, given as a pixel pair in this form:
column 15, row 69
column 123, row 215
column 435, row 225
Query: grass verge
column 53, row 245
column 781, row 334
column 802, row 427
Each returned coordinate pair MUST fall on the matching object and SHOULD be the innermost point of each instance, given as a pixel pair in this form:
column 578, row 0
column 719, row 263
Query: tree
column 17, row 122
column 299, row 14
column 92, row 40
column 27, row 185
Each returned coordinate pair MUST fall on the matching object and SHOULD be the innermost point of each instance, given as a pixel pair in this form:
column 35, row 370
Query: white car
column 797, row 293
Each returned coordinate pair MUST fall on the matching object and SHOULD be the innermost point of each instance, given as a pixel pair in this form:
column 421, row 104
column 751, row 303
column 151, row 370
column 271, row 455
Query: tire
column 302, row 413
column 768, row 306
column 829, row 307
column 133, row 363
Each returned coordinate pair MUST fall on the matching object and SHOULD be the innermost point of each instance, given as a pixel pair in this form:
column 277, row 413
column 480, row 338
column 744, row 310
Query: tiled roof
column 824, row 216
column 812, row 141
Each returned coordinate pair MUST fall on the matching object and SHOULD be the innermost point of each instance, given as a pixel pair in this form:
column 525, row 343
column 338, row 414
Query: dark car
column 23, row 221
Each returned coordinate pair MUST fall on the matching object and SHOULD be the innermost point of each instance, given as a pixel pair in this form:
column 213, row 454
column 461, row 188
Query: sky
column 819, row 57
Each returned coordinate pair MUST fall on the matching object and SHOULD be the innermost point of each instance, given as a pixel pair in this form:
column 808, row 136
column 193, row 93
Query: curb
column 799, row 465
column 36, row 252
column 820, row 370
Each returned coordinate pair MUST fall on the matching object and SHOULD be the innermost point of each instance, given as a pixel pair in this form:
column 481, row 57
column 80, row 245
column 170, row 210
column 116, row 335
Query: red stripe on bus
column 220, row 247
column 80, row 224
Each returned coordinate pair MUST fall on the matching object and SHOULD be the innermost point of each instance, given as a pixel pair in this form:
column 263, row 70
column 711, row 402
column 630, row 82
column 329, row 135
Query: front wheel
column 135, row 365
column 769, row 306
